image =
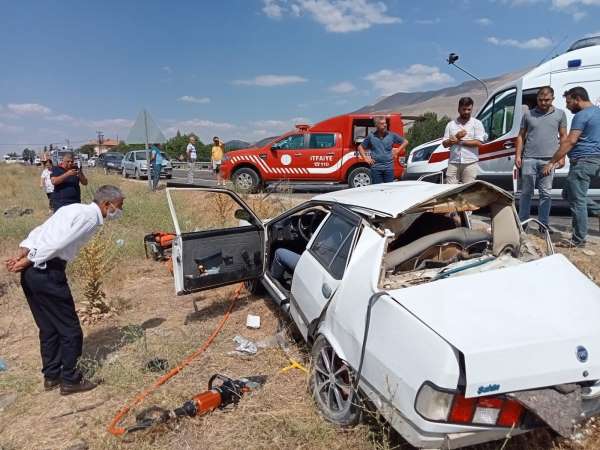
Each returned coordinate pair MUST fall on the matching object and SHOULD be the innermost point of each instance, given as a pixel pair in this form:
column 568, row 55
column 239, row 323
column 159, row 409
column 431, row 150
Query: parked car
column 91, row 162
column 110, row 161
column 135, row 165
column 453, row 325
column 326, row 152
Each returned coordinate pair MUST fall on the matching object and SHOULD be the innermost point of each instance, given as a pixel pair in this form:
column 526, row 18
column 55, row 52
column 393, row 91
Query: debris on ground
column 80, row 444
column 253, row 321
column 157, row 365
column 244, row 346
column 7, row 399
column 15, row 211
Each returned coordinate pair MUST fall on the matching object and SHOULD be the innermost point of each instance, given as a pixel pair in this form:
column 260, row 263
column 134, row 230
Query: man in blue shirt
column 381, row 143
column 66, row 178
column 156, row 159
column 583, row 147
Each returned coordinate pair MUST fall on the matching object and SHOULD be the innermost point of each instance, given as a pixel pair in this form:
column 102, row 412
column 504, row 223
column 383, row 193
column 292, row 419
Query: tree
column 88, row 149
column 177, row 145
column 28, row 154
column 426, row 130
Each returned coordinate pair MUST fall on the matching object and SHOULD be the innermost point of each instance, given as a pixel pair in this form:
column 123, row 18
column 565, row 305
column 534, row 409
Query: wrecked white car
column 422, row 299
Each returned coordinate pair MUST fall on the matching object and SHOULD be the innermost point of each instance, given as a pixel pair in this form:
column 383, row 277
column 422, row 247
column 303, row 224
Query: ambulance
column 326, row 152
column 501, row 117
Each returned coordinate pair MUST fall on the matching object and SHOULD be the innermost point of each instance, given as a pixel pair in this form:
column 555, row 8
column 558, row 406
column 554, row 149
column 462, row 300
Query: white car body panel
column 521, row 334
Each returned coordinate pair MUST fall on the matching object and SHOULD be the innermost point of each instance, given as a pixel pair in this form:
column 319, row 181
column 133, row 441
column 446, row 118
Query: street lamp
column 452, row 58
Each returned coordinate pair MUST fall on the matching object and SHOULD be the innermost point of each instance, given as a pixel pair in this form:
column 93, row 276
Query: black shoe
column 51, row 383
column 74, row 388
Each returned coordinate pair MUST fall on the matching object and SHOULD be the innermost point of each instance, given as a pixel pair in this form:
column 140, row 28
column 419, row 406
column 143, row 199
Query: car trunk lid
column 522, row 327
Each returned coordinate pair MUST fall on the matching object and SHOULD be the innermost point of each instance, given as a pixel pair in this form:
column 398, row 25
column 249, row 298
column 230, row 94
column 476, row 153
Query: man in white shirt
column 191, row 150
column 463, row 135
column 42, row 260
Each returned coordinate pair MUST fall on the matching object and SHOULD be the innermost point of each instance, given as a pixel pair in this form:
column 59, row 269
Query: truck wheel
column 246, row 180
column 331, row 384
column 361, row 176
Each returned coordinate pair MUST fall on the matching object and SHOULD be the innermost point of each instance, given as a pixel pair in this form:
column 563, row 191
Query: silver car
column 135, row 164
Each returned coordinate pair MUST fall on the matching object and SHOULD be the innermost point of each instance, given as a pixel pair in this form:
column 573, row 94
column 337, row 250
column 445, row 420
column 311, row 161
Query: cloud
column 483, row 21
column 531, row 44
column 344, row 87
column 24, row 109
column 428, row 21
column 271, row 80
column 192, row 99
column 108, row 125
column 62, row 118
column 6, row 128
column 167, row 69
column 337, row 16
column 269, row 127
column 414, row 78
column 198, row 125
column 272, row 9
column 597, row 33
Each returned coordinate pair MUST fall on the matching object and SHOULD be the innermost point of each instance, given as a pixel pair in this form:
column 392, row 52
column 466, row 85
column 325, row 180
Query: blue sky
column 250, row 68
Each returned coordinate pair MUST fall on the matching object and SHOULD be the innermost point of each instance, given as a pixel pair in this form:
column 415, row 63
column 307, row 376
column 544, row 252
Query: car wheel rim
column 332, row 381
column 244, row 181
column 362, row 179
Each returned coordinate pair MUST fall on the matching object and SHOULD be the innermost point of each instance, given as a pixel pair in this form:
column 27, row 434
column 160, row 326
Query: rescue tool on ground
column 323, row 153
column 228, row 392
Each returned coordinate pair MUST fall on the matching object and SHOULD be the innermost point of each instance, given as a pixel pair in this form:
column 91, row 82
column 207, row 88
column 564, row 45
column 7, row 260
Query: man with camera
column 66, row 178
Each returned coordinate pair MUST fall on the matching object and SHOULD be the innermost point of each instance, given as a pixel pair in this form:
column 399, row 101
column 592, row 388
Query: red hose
column 116, row 430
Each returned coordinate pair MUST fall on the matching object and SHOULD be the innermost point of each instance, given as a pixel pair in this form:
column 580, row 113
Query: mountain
column 442, row 101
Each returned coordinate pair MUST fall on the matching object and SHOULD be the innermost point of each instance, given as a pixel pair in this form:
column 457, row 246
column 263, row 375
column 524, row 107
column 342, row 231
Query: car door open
column 219, row 240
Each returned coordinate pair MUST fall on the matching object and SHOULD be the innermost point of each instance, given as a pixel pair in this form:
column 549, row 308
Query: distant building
column 106, row 146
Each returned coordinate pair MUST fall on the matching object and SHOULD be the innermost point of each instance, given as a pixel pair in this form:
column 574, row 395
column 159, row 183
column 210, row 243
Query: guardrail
column 198, row 165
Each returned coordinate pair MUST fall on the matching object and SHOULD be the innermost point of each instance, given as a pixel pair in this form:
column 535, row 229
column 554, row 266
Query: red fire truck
column 323, row 153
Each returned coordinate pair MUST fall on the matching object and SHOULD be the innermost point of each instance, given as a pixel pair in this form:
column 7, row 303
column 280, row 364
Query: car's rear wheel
column 246, row 180
column 359, row 177
column 124, row 173
column 331, row 384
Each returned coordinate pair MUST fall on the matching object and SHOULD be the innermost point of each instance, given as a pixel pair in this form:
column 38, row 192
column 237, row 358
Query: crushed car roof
column 392, row 199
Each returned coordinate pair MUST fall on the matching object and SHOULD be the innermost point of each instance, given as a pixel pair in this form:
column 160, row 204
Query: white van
column 502, row 112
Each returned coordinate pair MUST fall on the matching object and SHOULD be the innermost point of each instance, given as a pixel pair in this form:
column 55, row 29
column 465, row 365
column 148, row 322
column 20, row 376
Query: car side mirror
column 242, row 214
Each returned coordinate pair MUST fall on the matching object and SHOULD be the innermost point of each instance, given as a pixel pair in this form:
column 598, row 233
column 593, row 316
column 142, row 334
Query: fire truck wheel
column 246, row 180
column 361, row 176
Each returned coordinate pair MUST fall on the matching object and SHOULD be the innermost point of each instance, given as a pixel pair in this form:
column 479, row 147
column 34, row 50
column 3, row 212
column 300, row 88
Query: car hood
column 522, row 327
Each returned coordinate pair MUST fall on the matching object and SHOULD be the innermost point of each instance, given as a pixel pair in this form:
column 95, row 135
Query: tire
column 255, row 287
column 338, row 403
column 136, row 174
column 124, row 173
column 246, row 180
column 361, row 176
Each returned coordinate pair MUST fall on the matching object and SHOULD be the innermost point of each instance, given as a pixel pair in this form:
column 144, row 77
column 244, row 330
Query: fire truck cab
column 323, row 153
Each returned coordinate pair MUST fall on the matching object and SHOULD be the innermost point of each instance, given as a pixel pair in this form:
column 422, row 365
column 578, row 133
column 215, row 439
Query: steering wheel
column 308, row 222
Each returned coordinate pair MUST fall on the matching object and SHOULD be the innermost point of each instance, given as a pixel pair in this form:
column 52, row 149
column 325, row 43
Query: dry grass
column 153, row 323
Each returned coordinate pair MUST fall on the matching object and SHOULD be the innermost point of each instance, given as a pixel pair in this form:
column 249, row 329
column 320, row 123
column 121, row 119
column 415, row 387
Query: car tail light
column 452, row 407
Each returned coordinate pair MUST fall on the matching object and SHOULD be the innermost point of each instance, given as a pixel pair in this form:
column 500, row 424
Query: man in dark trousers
column 66, row 178
column 42, row 260
column 383, row 153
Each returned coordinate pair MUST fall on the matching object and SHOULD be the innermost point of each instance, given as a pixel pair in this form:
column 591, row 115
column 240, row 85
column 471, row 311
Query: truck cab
column 326, row 152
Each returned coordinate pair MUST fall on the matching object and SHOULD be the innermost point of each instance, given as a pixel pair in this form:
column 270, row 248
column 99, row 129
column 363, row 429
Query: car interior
column 293, row 233
column 442, row 237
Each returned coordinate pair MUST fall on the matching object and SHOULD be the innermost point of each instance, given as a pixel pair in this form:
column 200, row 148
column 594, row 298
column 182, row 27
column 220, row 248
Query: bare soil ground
column 149, row 321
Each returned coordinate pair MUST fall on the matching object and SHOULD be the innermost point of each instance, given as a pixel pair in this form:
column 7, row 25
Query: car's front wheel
column 136, row 174
column 246, row 180
column 359, row 177
column 331, row 384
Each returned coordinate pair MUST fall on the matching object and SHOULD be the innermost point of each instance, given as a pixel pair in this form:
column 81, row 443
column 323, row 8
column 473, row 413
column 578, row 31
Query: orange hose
column 113, row 428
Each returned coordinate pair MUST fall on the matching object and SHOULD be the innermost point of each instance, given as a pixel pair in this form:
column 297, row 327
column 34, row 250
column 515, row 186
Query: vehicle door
column 501, row 119
column 321, row 268
column 218, row 239
column 322, row 158
column 285, row 156
column 128, row 163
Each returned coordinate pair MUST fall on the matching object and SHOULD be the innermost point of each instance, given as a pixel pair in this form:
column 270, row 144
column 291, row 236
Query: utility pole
column 452, row 58
column 100, row 141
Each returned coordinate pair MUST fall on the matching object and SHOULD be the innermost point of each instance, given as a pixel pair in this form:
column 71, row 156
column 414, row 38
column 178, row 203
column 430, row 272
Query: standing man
column 463, row 135
column 383, row 154
column 541, row 128
column 156, row 160
column 66, row 179
column 191, row 150
column 583, row 147
column 41, row 260
column 46, row 184
column 216, row 159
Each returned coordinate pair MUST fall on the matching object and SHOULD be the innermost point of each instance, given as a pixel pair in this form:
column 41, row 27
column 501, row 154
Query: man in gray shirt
column 541, row 129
